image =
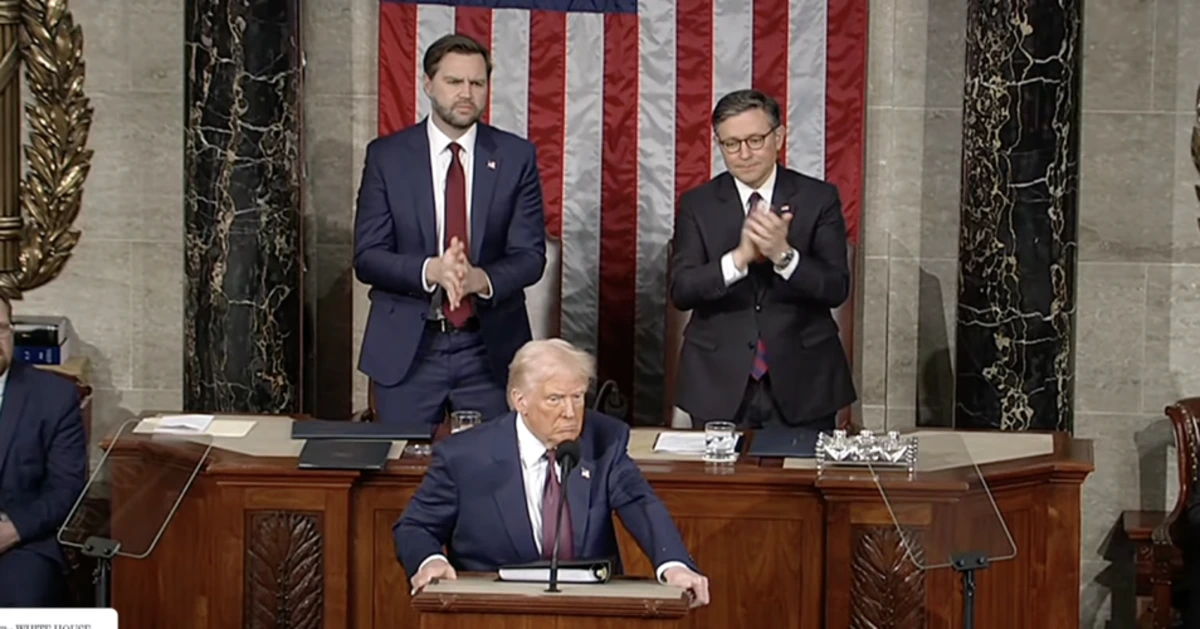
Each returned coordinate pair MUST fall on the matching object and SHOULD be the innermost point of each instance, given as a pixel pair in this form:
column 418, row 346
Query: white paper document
column 682, row 442
column 184, row 423
column 172, row 425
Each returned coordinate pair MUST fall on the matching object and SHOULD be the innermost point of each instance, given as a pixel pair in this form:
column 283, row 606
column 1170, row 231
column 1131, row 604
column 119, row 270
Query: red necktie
column 456, row 226
column 551, row 497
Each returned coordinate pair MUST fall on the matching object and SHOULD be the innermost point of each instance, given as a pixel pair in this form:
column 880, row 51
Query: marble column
column 1020, row 194
column 242, row 216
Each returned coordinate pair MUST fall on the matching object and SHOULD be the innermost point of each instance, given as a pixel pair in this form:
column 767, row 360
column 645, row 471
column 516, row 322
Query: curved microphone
column 567, row 455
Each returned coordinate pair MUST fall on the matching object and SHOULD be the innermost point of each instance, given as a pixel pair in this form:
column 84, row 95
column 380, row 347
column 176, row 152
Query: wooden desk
column 258, row 543
column 479, row 602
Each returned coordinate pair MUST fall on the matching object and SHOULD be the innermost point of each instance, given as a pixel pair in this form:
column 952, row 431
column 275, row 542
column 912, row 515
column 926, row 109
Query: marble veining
column 1019, row 215
column 242, row 213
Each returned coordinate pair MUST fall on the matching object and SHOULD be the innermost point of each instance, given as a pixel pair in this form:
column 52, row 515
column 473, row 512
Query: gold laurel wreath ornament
column 37, row 213
column 1196, row 143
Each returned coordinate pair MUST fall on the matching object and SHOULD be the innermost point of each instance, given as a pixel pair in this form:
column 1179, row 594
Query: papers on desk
column 184, row 423
column 568, row 572
column 195, row 425
column 682, row 442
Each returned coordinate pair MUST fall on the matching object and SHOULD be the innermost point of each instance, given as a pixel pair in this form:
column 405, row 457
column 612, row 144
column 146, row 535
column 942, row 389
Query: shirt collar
column 766, row 191
column 439, row 141
column 528, row 445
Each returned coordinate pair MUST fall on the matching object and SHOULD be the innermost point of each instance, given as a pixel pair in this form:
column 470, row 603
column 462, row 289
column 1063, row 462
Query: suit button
column 750, row 344
column 757, row 307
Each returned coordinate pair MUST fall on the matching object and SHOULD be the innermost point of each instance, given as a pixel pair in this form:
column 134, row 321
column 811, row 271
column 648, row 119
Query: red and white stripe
column 619, row 107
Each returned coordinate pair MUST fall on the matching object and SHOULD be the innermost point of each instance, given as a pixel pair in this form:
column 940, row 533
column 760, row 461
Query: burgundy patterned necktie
column 456, row 226
column 551, row 497
column 759, row 368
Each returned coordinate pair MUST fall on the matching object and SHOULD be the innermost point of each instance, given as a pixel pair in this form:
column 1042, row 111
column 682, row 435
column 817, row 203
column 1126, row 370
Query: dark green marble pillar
column 1020, row 193
column 242, row 216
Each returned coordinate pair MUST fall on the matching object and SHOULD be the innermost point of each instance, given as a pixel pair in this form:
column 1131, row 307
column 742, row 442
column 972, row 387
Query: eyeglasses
column 754, row 142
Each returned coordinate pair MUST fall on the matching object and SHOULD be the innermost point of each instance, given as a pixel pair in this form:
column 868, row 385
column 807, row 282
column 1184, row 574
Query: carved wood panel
column 284, row 570
column 887, row 590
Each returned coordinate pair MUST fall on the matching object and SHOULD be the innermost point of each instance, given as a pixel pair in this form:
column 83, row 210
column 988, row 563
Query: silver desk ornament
column 865, row 449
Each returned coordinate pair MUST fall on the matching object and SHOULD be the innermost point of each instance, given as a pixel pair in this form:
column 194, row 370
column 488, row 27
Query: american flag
column 617, row 95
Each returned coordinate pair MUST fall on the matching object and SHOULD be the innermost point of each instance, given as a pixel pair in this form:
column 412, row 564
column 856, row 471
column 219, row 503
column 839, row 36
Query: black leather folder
column 784, row 443
column 344, row 454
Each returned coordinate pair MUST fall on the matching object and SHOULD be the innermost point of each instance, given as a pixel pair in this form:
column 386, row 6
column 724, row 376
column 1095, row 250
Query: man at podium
column 491, row 493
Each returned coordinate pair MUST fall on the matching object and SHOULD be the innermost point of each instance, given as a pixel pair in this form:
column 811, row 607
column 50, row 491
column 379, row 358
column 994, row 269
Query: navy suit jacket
column 472, row 500
column 43, row 456
column 395, row 230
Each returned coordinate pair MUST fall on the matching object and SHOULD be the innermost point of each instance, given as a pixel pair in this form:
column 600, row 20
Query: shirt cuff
column 429, row 559
column 730, row 271
column 488, row 294
column 424, row 281
column 786, row 272
column 667, row 566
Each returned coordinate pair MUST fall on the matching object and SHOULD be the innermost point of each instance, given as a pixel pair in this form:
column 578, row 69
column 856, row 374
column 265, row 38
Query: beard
column 454, row 118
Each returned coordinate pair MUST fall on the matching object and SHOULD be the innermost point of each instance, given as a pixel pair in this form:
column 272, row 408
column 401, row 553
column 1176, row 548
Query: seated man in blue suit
column 448, row 234
column 43, row 468
column 487, row 495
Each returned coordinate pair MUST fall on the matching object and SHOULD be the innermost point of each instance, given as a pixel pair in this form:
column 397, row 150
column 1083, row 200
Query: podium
column 482, row 602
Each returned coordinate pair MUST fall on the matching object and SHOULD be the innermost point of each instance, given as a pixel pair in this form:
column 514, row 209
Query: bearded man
column 448, row 233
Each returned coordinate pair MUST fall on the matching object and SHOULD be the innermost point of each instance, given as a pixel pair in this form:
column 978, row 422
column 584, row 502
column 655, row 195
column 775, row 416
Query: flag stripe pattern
column 617, row 96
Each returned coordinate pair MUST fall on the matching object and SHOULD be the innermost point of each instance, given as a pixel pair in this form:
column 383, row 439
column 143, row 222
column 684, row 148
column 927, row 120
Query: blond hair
column 536, row 360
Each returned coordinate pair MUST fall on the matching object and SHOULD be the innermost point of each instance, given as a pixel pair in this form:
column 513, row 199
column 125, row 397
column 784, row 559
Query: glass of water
column 720, row 442
column 462, row 420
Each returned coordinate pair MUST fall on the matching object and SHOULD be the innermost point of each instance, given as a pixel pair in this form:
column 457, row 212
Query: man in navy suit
column 491, row 493
column 449, row 232
column 43, row 469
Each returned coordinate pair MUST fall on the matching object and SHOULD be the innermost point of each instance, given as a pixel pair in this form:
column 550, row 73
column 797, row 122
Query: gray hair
column 741, row 101
column 536, row 360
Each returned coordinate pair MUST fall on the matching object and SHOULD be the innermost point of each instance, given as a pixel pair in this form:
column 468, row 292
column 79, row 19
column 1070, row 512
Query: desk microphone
column 567, row 453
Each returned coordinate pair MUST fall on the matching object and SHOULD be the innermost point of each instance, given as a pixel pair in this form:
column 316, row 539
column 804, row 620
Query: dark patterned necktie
column 759, row 368
column 551, row 497
column 456, row 226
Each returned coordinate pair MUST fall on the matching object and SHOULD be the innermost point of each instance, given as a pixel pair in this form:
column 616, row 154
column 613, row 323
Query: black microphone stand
column 966, row 564
column 566, row 472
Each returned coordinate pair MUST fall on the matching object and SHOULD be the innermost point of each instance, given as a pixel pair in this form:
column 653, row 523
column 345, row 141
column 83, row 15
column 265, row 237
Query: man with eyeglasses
column 760, row 260
column 43, row 469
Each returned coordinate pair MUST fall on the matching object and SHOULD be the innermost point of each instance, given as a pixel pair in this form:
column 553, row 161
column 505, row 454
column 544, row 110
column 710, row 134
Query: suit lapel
column 422, row 184
column 510, row 493
column 10, row 411
column 729, row 215
column 486, row 166
column 579, row 495
column 785, row 187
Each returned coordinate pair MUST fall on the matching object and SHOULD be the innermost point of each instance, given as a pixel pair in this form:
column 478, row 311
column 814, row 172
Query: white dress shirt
column 729, row 270
column 439, row 161
column 534, row 464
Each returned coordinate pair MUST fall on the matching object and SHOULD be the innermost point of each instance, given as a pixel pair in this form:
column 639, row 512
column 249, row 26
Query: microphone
column 567, row 454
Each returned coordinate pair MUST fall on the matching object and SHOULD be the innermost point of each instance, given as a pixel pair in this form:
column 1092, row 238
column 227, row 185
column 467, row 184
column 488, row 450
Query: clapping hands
column 764, row 235
column 455, row 274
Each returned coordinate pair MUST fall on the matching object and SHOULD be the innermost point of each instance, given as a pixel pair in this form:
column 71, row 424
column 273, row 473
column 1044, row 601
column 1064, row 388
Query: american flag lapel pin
column 491, row 164
column 585, row 472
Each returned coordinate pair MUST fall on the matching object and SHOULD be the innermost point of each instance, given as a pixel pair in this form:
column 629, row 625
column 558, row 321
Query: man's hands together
column 454, row 273
column 764, row 236
column 8, row 534
column 695, row 584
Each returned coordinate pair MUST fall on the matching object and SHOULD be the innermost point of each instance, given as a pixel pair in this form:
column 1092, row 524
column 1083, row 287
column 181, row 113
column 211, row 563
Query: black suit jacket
column 810, row 374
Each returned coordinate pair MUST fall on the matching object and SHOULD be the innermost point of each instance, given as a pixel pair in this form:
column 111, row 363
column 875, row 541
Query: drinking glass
column 462, row 420
column 720, row 442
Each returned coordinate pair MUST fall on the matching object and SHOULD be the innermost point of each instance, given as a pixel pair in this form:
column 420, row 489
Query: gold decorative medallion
column 37, row 213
